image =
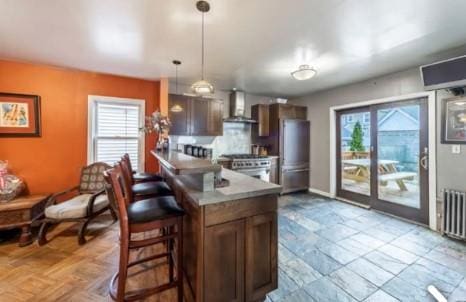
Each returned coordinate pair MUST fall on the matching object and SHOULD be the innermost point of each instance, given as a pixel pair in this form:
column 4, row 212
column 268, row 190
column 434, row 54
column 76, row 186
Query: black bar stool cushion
column 152, row 209
column 158, row 188
column 139, row 177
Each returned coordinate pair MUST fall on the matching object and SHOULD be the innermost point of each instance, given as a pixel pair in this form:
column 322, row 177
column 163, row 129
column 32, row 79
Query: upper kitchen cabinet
column 260, row 113
column 287, row 111
column 195, row 116
column 179, row 114
column 199, row 116
column 215, row 126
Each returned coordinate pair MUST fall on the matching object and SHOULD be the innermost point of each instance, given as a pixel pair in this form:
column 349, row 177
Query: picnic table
column 359, row 170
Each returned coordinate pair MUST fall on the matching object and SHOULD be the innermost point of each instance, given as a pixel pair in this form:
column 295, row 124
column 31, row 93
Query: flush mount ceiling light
column 304, row 72
column 202, row 87
column 176, row 107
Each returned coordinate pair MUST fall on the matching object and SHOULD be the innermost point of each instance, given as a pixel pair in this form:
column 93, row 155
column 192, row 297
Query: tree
column 356, row 143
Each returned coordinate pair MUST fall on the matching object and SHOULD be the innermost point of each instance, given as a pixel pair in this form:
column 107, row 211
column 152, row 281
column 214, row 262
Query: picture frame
column 19, row 115
column 454, row 120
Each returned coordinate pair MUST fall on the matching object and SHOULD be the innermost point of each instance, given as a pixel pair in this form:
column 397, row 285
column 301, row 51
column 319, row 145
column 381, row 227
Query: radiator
column 454, row 211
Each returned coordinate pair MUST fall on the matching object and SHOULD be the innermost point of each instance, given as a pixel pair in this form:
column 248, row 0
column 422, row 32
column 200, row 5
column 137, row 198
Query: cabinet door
column 261, row 255
column 215, row 118
column 286, row 111
column 199, row 116
column 179, row 114
column 260, row 113
column 224, row 262
column 301, row 112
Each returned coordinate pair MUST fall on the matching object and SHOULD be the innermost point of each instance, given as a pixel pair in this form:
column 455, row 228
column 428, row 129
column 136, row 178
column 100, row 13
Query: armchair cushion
column 75, row 207
column 92, row 178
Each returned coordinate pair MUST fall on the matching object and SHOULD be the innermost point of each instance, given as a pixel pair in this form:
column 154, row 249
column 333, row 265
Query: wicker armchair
column 84, row 202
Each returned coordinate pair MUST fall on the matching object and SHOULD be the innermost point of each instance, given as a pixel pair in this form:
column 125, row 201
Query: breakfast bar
column 230, row 230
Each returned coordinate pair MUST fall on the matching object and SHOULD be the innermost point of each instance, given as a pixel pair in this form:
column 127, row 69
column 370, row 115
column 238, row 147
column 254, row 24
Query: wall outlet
column 456, row 149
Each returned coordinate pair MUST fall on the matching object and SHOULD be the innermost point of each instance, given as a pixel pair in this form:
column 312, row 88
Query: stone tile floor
column 333, row 251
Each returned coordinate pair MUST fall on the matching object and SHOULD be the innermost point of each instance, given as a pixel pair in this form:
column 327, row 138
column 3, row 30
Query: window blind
column 117, row 132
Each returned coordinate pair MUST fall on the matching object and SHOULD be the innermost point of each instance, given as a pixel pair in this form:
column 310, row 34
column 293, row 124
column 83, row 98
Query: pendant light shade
column 202, row 87
column 304, row 72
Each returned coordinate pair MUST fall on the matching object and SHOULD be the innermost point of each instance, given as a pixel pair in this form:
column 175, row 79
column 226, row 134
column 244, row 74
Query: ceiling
column 250, row 45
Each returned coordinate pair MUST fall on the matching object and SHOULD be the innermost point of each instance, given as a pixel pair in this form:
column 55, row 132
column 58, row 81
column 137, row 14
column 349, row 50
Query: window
column 366, row 118
column 114, row 130
column 349, row 118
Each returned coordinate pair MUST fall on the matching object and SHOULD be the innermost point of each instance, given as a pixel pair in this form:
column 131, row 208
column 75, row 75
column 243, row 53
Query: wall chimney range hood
column 237, row 109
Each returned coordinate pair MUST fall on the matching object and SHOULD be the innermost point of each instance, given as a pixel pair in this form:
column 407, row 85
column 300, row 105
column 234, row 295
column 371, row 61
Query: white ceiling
column 250, row 44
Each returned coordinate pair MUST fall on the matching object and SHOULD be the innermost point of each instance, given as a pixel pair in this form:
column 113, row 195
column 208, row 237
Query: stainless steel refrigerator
column 294, row 144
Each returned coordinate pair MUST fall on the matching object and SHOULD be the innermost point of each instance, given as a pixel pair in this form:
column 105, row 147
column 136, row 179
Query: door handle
column 424, row 161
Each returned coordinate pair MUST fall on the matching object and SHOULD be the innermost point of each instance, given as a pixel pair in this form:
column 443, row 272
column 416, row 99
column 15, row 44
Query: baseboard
column 319, row 192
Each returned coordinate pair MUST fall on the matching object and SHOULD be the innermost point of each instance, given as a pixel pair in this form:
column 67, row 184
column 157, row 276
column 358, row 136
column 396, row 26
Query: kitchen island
column 230, row 233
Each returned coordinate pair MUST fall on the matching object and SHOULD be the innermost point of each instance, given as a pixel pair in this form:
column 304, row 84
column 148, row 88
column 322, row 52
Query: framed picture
column 19, row 115
column 454, row 120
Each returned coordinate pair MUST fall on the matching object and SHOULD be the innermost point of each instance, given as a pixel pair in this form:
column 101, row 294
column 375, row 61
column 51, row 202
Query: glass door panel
column 398, row 148
column 354, row 158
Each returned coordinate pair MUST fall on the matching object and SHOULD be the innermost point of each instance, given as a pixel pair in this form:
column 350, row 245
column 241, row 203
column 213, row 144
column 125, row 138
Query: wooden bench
column 398, row 177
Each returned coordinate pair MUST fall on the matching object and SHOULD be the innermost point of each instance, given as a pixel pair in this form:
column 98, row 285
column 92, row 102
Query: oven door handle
column 252, row 170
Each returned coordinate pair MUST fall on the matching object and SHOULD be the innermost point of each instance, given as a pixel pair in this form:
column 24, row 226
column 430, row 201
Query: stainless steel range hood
column 237, row 109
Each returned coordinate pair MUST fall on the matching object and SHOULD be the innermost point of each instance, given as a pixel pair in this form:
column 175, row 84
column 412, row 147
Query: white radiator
column 454, row 211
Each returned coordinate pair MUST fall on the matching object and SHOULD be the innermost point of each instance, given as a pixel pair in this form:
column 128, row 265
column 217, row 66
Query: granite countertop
column 241, row 186
column 182, row 164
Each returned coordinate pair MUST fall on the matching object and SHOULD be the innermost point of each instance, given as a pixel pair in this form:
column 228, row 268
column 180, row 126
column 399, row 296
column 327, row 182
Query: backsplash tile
column 236, row 139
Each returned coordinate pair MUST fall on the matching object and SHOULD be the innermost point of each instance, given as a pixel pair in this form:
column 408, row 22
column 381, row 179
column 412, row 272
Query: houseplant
column 160, row 124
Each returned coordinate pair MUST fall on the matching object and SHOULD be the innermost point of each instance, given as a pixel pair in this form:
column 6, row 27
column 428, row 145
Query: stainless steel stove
column 253, row 165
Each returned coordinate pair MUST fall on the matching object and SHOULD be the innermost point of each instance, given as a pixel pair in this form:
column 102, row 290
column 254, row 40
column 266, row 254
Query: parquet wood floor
column 62, row 270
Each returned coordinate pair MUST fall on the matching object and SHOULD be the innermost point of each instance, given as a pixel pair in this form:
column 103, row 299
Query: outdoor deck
column 391, row 192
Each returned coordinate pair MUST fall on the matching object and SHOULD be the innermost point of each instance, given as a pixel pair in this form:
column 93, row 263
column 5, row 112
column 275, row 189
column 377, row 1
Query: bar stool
column 143, row 190
column 142, row 216
column 142, row 177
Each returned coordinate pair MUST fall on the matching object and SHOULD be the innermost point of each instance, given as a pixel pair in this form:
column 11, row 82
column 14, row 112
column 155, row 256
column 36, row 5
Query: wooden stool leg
column 170, row 255
column 179, row 261
column 123, row 268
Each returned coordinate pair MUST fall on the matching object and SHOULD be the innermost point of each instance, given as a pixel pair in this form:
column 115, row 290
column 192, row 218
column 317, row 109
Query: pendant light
column 304, row 72
column 176, row 107
column 202, row 87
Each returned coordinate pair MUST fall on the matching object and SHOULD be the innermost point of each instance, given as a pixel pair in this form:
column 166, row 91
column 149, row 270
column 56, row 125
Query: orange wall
column 52, row 162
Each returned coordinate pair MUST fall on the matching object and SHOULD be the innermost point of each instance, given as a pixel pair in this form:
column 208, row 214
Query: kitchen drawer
column 294, row 180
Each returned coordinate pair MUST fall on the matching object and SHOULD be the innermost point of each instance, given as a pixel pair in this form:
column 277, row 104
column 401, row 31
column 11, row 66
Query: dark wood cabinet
column 274, row 170
column 286, row 111
column 224, row 260
column 229, row 248
column 261, row 256
column 260, row 113
column 180, row 119
column 215, row 123
column 199, row 116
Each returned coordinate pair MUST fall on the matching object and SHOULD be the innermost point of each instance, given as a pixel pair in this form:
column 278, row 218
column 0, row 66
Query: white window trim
column 431, row 96
column 91, row 106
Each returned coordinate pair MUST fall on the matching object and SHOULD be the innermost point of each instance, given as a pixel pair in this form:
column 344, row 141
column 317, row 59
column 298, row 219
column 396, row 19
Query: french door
column 382, row 157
